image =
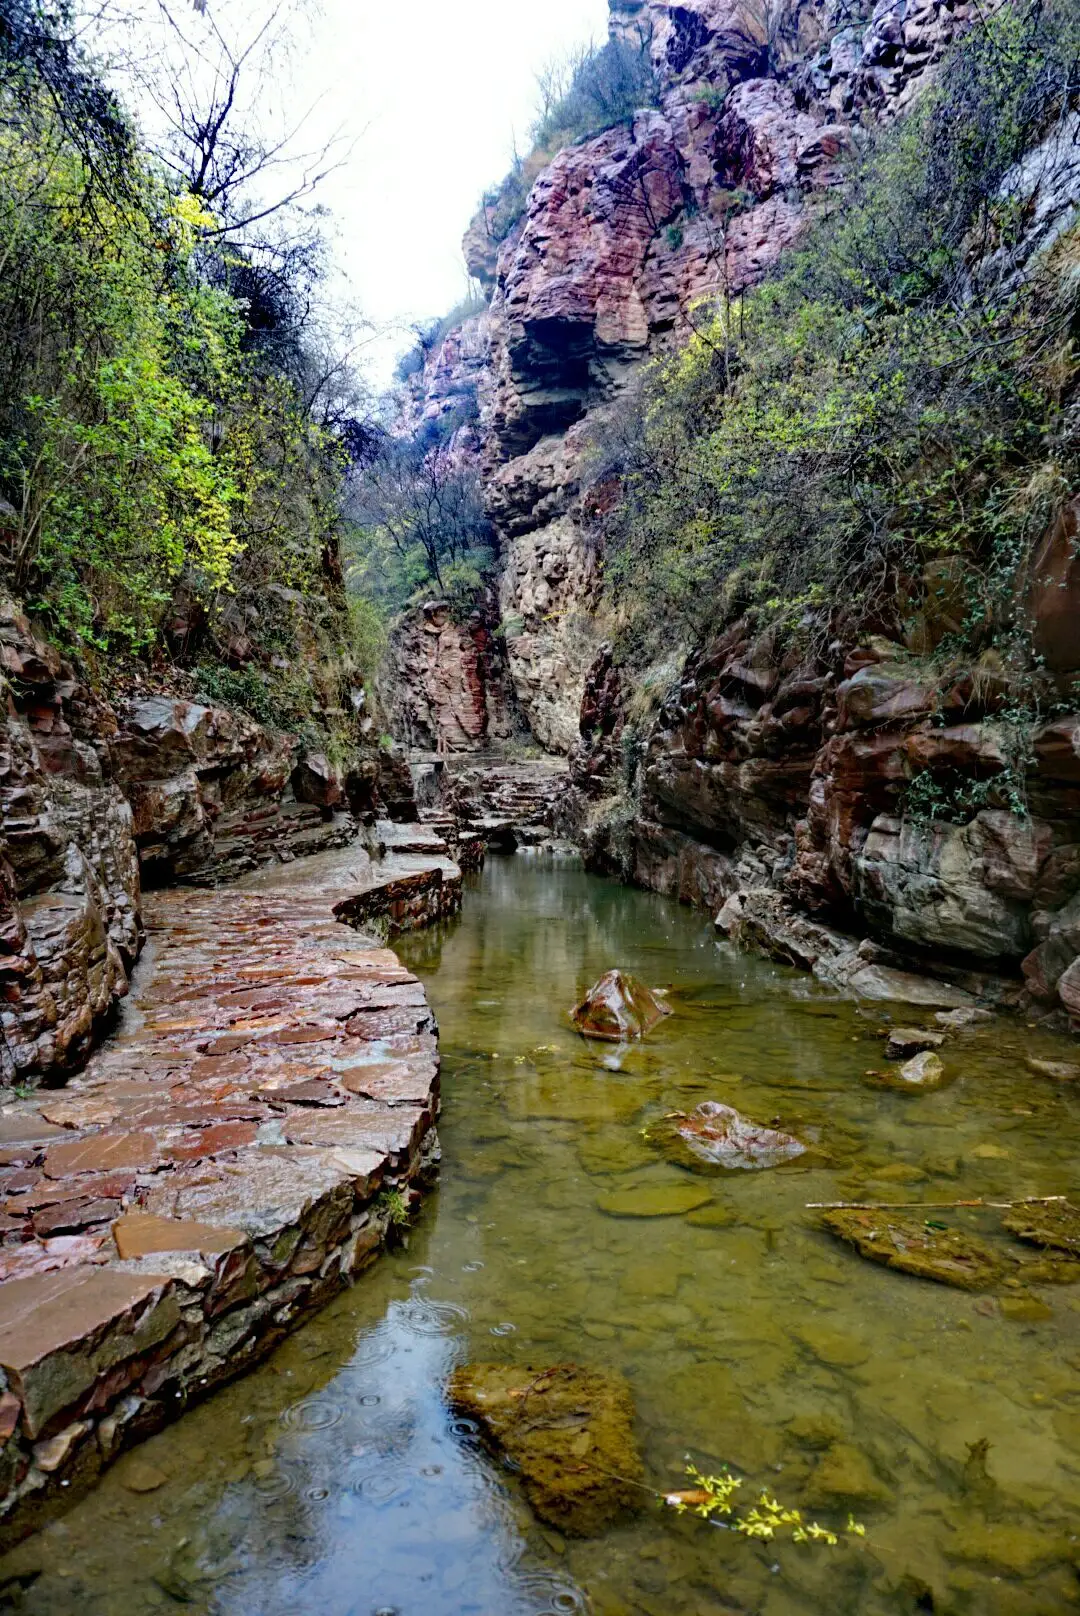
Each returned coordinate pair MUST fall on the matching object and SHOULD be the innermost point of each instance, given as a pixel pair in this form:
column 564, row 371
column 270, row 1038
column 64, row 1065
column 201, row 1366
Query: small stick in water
column 929, row 1206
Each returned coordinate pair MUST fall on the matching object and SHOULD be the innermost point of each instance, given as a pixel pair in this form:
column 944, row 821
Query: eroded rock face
column 763, row 769
column 100, row 798
column 445, row 685
column 568, row 1431
column 618, row 1008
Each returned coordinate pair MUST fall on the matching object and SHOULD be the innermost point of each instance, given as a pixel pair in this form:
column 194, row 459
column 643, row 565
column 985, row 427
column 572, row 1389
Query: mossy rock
column 1056, row 1226
column 568, row 1432
column 654, row 1201
column 915, row 1247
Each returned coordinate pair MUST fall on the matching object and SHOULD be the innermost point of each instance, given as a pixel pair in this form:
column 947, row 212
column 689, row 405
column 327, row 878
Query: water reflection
column 334, row 1480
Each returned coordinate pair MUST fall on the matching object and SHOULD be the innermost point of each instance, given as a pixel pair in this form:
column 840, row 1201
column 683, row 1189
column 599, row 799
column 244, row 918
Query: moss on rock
column 1055, row 1225
column 916, row 1247
column 567, row 1430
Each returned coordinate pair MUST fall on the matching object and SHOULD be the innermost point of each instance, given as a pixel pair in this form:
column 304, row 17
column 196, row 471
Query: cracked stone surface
column 217, row 1171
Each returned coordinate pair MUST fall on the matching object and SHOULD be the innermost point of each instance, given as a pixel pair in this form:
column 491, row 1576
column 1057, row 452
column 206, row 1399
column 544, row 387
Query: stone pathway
column 232, row 1158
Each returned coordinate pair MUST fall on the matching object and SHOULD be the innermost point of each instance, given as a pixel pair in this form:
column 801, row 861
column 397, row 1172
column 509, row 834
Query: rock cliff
column 622, row 235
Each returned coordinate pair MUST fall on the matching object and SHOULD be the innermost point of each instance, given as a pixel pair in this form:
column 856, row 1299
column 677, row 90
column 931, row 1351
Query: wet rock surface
column 218, row 1171
column 101, row 798
column 916, row 1246
column 568, row 1433
column 717, row 1136
column 617, row 1008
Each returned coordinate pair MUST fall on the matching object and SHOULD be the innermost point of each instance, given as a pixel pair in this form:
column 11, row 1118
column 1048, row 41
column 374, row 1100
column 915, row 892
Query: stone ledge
column 228, row 1163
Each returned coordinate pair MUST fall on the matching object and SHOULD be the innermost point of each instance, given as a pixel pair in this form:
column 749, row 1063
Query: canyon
column 738, row 774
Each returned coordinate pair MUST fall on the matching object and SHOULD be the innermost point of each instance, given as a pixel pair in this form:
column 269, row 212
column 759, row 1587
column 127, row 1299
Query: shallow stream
column 334, row 1481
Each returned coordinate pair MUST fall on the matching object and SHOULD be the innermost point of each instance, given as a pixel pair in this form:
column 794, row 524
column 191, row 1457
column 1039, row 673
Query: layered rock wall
column 622, row 236
column 99, row 798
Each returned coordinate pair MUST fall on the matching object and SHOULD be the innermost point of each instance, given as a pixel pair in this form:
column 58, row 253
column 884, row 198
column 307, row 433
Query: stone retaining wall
column 417, row 898
column 234, row 1158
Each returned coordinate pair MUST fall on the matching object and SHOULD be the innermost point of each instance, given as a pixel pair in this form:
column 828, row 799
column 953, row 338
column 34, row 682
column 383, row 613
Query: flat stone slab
column 142, row 1234
column 59, row 1332
column 220, row 1160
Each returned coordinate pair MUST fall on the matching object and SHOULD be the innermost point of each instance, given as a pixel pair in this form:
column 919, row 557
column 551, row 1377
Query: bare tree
column 424, row 501
column 212, row 81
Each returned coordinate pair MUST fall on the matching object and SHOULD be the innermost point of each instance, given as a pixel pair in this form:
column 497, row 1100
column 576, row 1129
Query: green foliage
column 419, row 525
column 955, row 798
column 367, row 634
column 596, row 88
column 715, row 1498
column 394, row 1204
column 885, row 401
column 244, row 688
column 171, row 475
column 113, row 356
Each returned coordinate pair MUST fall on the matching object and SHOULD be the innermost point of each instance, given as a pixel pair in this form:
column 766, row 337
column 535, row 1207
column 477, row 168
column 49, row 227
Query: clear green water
column 334, row 1481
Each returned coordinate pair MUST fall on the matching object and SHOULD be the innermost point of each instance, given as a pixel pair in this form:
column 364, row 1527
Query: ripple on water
column 426, row 1318
column 282, row 1482
column 549, row 1594
column 314, row 1414
column 373, row 1349
column 386, row 1486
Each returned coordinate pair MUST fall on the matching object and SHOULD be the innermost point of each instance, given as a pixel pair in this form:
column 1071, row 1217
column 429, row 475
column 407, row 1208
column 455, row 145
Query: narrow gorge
column 541, row 907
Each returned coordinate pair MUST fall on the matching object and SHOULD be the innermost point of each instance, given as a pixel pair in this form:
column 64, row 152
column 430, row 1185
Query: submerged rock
column 1060, row 1071
column 618, row 1007
column 965, row 1017
column 568, row 1431
column 1056, row 1225
column 918, row 1075
column 654, row 1201
column 916, row 1247
column 923, row 1071
column 844, row 1475
column 718, row 1136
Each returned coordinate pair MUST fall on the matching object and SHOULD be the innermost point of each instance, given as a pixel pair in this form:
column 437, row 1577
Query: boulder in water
column 617, row 1008
column 718, row 1136
column 911, row 1244
column 1060, row 1071
column 568, row 1432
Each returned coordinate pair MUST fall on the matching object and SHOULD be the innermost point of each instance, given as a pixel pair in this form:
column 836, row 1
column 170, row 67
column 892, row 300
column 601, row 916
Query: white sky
column 433, row 92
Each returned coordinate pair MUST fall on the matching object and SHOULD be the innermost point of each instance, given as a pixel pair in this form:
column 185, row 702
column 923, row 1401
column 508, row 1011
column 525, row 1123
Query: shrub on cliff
column 899, row 393
column 591, row 90
column 586, row 92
